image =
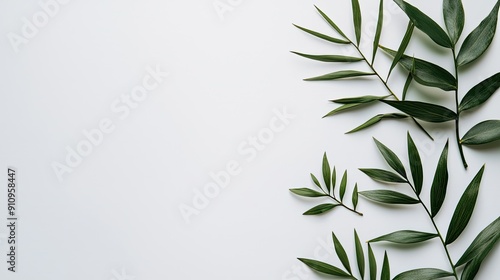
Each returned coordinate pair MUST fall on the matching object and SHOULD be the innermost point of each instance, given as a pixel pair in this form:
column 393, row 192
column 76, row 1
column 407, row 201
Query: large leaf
column 356, row 12
column 372, row 263
column 329, row 58
column 391, row 158
column 480, row 93
column 454, row 18
column 378, row 31
column 424, row 111
column 322, row 36
column 415, row 165
column 402, row 47
column 325, row 268
column 360, row 255
column 405, row 237
column 331, row 23
column 340, row 75
column 479, row 39
column 376, row 119
column 359, row 99
column 464, row 209
column 482, row 133
column 423, row 274
column 339, row 249
column 307, row 192
column 320, row 209
column 386, row 270
column 440, row 182
column 382, row 175
column 327, row 173
column 389, row 197
column 426, row 24
column 482, row 244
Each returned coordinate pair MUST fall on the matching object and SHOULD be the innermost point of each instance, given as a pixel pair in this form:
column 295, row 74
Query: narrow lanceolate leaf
column 386, row 270
column 405, row 237
column 376, row 120
column 378, row 32
column 423, row 274
column 355, row 196
column 329, row 58
column 440, row 182
column 334, row 178
column 327, row 173
column 320, row 209
column 415, row 165
column 307, row 192
column 356, row 13
column 340, row 75
column 482, row 133
column 389, row 197
column 391, row 158
column 482, row 244
column 407, row 85
column 339, row 249
column 480, row 93
column 426, row 24
column 360, row 255
column 359, row 99
column 464, row 209
column 424, row 111
column 325, row 268
column 331, row 23
column 470, row 270
column 372, row 263
column 343, row 185
column 315, row 180
column 382, row 175
column 322, row 36
column 479, row 39
column 343, row 108
column 402, row 47
column 454, row 18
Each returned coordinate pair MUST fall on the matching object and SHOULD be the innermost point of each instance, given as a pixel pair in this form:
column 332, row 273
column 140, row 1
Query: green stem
column 340, row 203
column 457, row 120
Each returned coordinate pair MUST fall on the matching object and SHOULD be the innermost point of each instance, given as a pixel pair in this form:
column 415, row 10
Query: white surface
column 118, row 212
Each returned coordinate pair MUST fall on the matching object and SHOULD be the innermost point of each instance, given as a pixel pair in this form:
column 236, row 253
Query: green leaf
column 470, row 270
column 482, row 133
column 340, row 75
column 440, row 182
column 343, row 185
column 405, row 237
column 425, row 24
column 424, row 111
column 391, row 158
column 378, row 32
column 327, row 173
column 360, row 255
column 382, row 175
column 480, row 93
column 355, row 196
column 307, row 192
column 454, row 18
column 356, row 12
column 376, row 120
column 417, row 172
column 320, row 209
column 331, row 23
column 334, row 178
column 359, row 99
column 342, row 109
column 372, row 263
column 402, row 47
column 325, row 268
column 482, row 244
column 339, row 249
column 316, row 182
column 386, row 270
column 464, row 209
column 389, row 197
column 479, row 39
column 329, row 58
column 407, row 84
column 423, row 274
column 322, row 36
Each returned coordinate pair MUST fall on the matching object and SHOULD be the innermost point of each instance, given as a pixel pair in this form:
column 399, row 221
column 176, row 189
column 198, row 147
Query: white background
column 118, row 213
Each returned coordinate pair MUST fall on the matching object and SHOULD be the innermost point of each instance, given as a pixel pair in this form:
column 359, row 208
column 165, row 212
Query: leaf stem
column 457, row 120
column 341, row 203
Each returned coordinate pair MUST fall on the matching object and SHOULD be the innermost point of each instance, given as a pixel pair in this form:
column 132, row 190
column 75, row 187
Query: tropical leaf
column 402, row 47
column 356, row 13
column 359, row 99
column 388, row 197
column 331, row 23
column 378, row 31
column 386, row 270
column 339, row 249
column 423, row 274
column 340, row 75
column 482, row 133
column 343, row 108
column 405, row 237
column 322, row 36
column 391, row 158
column 424, row 111
column 355, row 196
column 329, row 58
column 417, row 172
column 482, row 244
column 315, row 180
column 454, row 18
column 320, row 209
column 307, row 192
column 407, row 85
column 377, row 119
column 343, row 185
column 372, row 263
column 325, row 268
column 480, row 93
column 440, row 182
column 382, row 175
column 327, row 173
column 360, row 255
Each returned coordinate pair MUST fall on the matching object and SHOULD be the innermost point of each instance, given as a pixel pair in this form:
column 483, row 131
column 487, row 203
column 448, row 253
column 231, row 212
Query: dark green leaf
column 343, row 185
column 342, row 108
column 424, row 111
column 307, row 192
column 340, row 75
column 322, row 36
column 470, row 270
column 405, row 237
column 391, row 158
column 331, row 23
column 325, row 268
column 479, row 39
column 329, row 58
column 360, row 255
column 407, row 84
column 334, row 178
column 359, row 99
column 315, row 180
column 386, row 270
column 372, row 263
column 378, row 32
column 382, row 175
column 423, row 274
column 355, row 196
column 320, row 209
column 388, row 197
column 327, row 173
column 376, row 120
column 415, row 165
column 356, row 12
column 339, row 249
column 482, row 133
column 402, row 47
column 480, row 93
column 440, row 182
column 482, row 244
column 464, row 209
column 454, row 18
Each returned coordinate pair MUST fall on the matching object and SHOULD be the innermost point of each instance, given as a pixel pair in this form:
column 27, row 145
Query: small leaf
column 343, row 185
column 464, row 209
column 425, row 24
column 327, row 175
column 405, row 237
column 382, row 175
column 480, row 93
column 417, row 172
column 407, row 84
column 320, row 209
column 423, row 274
column 325, row 268
column 424, row 111
column 359, row 99
column 307, row 192
column 329, row 58
column 356, row 12
column 479, row 39
column 322, row 36
column 402, row 47
column 372, row 263
column 482, row 244
column 334, row 178
column 342, row 109
column 355, row 196
column 454, row 18
column 440, row 182
column 378, row 32
column 376, row 120
column 316, row 182
column 340, row 75
column 482, row 133
column 391, row 158
column 389, row 197
column 339, row 249
column 360, row 255
column 331, row 23
column 386, row 270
